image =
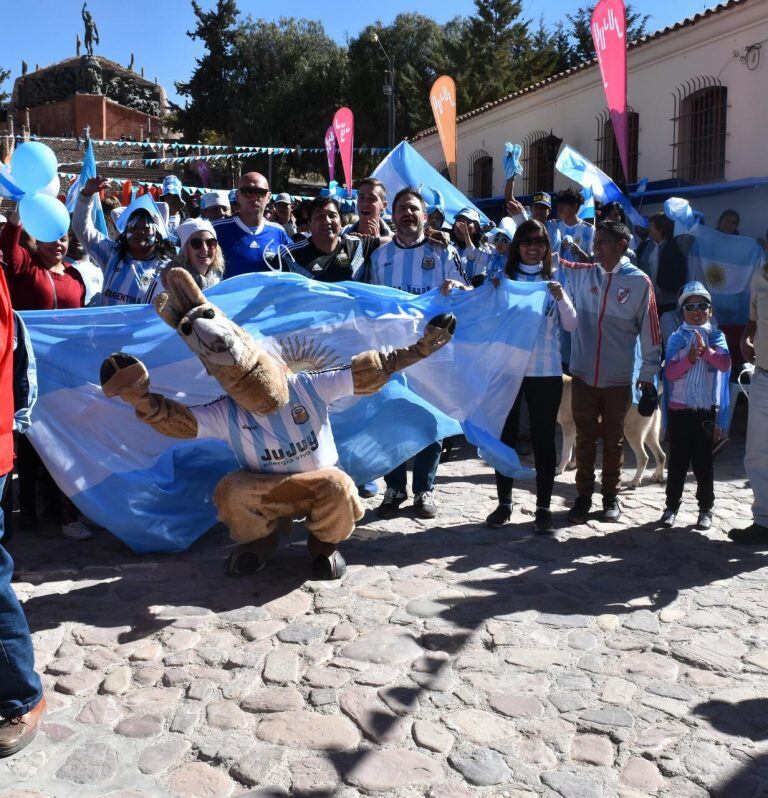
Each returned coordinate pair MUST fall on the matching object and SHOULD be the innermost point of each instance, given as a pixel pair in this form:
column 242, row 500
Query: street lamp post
column 389, row 90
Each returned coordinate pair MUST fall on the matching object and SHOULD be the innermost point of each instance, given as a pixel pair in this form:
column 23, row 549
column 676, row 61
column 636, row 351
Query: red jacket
column 33, row 286
column 6, row 379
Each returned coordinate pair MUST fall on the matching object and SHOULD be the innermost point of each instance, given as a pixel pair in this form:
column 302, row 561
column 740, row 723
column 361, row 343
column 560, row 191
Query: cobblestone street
column 452, row 660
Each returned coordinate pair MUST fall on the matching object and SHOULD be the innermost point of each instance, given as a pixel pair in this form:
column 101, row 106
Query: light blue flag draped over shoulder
column 154, row 492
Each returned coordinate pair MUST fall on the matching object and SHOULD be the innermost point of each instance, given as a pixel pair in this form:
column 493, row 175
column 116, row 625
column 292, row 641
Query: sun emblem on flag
column 714, row 275
column 300, row 353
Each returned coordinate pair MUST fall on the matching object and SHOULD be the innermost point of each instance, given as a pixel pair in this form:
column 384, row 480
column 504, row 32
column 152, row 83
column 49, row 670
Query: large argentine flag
column 725, row 264
column 155, row 492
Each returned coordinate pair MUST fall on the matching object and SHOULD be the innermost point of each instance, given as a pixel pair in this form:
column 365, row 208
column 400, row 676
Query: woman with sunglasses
column 468, row 238
column 531, row 259
column 199, row 254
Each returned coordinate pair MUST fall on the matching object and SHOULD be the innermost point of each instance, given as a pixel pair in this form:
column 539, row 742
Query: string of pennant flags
column 69, row 176
column 182, row 145
column 230, row 156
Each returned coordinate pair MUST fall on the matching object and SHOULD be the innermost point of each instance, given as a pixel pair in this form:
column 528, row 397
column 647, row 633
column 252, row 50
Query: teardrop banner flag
column 344, row 130
column 609, row 34
column 442, row 97
column 330, row 152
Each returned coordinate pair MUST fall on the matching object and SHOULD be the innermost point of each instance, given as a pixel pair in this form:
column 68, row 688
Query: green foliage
column 279, row 83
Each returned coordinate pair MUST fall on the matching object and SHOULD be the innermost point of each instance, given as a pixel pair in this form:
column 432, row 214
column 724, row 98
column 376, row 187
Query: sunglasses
column 537, row 241
column 692, row 307
column 199, row 243
column 253, row 191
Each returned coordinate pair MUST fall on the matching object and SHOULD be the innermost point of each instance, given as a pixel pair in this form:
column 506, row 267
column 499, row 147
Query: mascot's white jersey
column 296, row 438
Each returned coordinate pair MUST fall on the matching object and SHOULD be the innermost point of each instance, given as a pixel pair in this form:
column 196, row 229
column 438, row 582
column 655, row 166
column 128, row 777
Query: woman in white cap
column 199, row 254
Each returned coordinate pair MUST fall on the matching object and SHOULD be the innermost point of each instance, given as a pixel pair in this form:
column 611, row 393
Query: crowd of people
column 609, row 290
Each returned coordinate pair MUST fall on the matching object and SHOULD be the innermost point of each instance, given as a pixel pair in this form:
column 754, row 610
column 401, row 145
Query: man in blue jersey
column 413, row 263
column 248, row 241
column 577, row 235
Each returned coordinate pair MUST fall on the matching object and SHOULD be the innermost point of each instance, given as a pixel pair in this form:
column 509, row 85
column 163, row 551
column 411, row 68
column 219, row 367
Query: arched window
column 538, row 161
column 442, row 167
column 607, row 149
column 480, row 183
column 701, row 108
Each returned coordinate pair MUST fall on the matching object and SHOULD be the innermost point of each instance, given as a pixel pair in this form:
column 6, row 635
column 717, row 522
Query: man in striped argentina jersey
column 275, row 423
column 415, row 264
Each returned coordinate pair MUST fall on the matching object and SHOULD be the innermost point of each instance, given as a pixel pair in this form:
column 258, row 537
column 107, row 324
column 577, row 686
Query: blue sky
column 43, row 31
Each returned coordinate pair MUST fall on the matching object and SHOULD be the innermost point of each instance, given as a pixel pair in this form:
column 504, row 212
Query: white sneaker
column 77, row 530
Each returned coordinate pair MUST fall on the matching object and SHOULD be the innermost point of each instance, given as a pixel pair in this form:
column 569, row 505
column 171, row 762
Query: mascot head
column 244, row 370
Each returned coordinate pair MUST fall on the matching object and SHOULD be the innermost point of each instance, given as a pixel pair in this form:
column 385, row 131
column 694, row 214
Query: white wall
column 569, row 106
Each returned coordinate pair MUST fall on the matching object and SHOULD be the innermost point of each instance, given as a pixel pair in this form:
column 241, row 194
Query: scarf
column 699, row 392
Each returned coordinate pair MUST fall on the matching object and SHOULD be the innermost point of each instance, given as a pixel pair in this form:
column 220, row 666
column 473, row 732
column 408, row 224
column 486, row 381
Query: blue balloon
column 33, row 166
column 43, row 217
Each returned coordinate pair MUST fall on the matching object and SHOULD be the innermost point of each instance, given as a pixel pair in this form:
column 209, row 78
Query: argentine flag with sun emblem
column 154, row 492
column 725, row 264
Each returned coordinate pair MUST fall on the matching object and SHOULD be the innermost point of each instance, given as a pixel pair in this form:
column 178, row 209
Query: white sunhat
column 469, row 213
column 214, row 199
column 186, row 229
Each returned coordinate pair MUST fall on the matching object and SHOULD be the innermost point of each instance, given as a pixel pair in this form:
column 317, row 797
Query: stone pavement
column 452, row 660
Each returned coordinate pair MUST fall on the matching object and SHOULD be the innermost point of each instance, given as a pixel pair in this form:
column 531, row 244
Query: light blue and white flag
column 587, row 210
column 88, row 171
column 575, row 166
column 155, row 493
column 512, row 167
column 725, row 264
column 404, row 167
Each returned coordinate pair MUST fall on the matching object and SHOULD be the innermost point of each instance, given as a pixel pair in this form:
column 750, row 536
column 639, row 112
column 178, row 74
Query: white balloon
column 53, row 188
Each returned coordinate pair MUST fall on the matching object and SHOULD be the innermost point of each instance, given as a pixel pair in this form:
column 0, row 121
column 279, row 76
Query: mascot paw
column 445, row 321
column 122, row 372
column 438, row 332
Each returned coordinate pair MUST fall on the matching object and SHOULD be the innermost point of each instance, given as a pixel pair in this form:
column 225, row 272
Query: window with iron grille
column 538, row 162
column 700, row 129
column 608, row 151
column 480, row 181
column 442, row 167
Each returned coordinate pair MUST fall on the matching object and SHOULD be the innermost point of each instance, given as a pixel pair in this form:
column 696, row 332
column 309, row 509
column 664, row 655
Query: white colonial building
column 698, row 99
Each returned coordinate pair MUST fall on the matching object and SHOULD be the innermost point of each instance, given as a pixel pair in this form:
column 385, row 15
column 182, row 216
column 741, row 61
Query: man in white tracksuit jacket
column 615, row 305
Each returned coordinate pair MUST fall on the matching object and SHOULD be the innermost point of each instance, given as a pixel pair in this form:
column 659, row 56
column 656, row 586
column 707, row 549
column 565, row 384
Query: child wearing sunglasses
column 696, row 376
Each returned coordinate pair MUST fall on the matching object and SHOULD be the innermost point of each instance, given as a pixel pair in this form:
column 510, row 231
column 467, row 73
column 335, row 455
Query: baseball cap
column 469, row 213
column 185, row 230
column 542, row 198
column 214, row 199
column 284, row 197
column 694, row 288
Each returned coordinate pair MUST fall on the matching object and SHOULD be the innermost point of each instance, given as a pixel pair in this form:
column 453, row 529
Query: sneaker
column 391, row 502
column 425, row 504
column 705, row 520
column 668, row 518
column 368, row 490
column 579, row 513
column 542, row 523
column 500, row 516
column 77, row 530
column 753, row 535
column 611, row 509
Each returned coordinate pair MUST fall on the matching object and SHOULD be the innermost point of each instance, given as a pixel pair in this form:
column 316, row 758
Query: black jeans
column 542, row 395
column 690, row 444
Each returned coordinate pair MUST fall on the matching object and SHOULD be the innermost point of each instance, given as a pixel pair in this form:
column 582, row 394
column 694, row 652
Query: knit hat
column 186, row 229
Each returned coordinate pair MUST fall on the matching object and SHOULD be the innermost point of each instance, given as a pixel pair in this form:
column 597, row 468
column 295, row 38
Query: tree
column 499, row 46
column 412, row 41
column 580, row 33
column 209, row 88
column 4, row 96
